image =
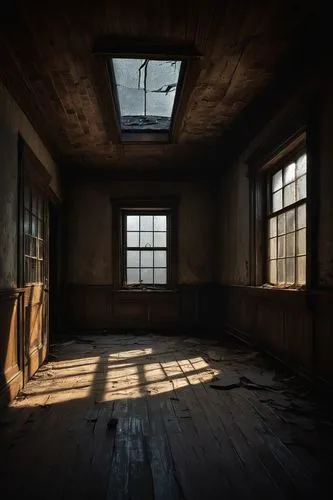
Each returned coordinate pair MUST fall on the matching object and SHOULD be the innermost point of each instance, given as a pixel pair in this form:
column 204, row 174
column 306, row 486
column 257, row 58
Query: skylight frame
column 147, row 135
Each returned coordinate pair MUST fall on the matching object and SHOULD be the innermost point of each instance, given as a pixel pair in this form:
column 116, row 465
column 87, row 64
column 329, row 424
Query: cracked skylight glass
column 146, row 90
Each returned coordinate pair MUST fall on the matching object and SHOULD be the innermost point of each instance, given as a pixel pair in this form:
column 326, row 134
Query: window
column 145, row 90
column 146, row 248
column 287, row 223
column 33, row 236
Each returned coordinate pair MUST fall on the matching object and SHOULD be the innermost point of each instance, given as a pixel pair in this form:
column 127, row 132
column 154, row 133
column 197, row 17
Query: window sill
column 291, row 288
column 147, row 290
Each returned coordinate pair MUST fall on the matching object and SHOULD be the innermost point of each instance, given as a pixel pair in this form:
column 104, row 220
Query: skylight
column 146, row 91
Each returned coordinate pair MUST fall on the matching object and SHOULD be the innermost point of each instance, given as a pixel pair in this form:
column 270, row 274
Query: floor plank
column 127, row 417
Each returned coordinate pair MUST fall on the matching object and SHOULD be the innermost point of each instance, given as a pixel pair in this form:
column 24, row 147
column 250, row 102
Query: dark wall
column 296, row 326
column 12, row 123
column 91, row 301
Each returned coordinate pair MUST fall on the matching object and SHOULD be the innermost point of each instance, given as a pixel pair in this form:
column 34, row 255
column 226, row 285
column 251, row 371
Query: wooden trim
column 313, row 194
column 260, row 205
column 34, row 170
column 109, row 47
column 131, row 47
column 189, row 80
column 106, row 99
column 285, row 151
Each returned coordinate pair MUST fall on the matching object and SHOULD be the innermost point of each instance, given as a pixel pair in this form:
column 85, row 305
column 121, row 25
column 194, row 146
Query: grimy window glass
column 287, row 224
column 33, row 236
column 145, row 91
column 146, row 249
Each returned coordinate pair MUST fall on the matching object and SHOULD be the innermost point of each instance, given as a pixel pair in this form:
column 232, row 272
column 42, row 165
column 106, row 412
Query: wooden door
column 35, row 275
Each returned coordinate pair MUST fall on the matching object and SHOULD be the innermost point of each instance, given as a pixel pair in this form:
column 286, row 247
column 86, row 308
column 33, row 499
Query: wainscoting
column 295, row 326
column 11, row 378
column 98, row 307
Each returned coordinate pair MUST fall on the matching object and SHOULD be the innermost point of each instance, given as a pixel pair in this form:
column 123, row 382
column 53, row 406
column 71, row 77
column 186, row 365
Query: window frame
column 107, row 48
column 120, row 209
column 261, row 166
column 163, row 135
column 281, row 164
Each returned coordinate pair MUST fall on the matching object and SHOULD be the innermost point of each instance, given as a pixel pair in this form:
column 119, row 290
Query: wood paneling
column 94, row 307
column 10, row 375
column 292, row 325
column 47, row 63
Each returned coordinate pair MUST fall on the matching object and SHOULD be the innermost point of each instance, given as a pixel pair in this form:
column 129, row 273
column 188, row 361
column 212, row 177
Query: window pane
column 272, row 248
column 132, row 239
column 34, row 203
column 281, row 246
column 132, row 258
column 33, row 247
column 40, row 249
column 301, row 188
column 146, row 239
column 281, row 224
column 27, row 228
column 301, row 270
column 160, row 222
column 160, row 258
column 40, row 228
column 301, row 166
column 147, row 276
column 277, row 181
column 272, row 227
column 132, row 222
column 290, row 245
column 27, row 197
column 146, row 223
column 281, row 271
column 27, row 270
column 290, row 271
column 301, row 216
column 147, row 259
column 290, row 221
column 277, row 201
column 40, row 208
column 27, row 245
column 301, row 242
column 146, row 90
column 33, row 270
column 34, row 225
column 160, row 239
column 272, row 272
column 289, row 194
column 160, row 276
column 289, row 173
column 132, row 276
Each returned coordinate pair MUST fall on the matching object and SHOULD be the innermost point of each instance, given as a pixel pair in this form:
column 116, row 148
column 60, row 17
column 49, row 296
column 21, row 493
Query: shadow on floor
column 155, row 417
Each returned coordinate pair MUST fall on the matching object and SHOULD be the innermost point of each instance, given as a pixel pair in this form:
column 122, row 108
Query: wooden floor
column 167, row 418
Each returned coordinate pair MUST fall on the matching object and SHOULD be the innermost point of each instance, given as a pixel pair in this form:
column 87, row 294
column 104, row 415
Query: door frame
column 30, row 169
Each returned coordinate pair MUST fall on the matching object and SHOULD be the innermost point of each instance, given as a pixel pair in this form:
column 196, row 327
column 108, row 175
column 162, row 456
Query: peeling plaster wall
column 12, row 122
column 89, row 228
column 234, row 230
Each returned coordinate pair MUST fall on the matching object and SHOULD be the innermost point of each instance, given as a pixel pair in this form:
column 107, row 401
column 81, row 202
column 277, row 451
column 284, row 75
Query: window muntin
column 287, row 224
column 146, row 248
column 145, row 91
column 33, row 236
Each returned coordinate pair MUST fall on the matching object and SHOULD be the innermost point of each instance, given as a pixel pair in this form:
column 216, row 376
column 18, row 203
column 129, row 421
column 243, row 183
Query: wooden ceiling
column 47, row 64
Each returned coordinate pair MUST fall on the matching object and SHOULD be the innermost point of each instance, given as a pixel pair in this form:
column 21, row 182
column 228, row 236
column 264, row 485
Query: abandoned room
column 166, row 250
